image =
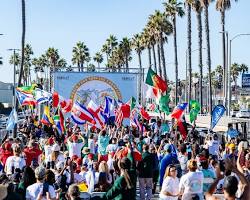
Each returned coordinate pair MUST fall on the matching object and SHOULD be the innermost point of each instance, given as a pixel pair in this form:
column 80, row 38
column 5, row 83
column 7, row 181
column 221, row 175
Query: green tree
column 205, row 4
column 173, row 8
column 21, row 74
column 80, row 55
column 98, row 58
column 15, row 59
column 27, row 63
column 125, row 46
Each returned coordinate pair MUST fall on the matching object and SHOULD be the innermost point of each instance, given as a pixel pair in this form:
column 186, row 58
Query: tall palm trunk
column 126, row 62
column 163, row 59
column 149, row 57
column 154, row 56
column 223, row 51
column 208, row 57
column 140, row 78
column 200, row 57
column 22, row 43
column 176, row 60
column 159, row 58
column 189, row 53
column 98, row 63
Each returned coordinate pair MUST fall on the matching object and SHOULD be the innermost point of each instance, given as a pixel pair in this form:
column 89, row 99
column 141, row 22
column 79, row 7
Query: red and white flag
column 118, row 117
column 96, row 112
column 66, row 105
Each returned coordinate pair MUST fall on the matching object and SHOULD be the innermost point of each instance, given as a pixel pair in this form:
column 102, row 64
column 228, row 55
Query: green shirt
column 119, row 190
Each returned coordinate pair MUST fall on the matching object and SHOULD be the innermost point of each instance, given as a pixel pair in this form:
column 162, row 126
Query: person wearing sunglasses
column 170, row 185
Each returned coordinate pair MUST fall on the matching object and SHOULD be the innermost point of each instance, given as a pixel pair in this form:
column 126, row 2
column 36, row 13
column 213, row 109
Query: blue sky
column 62, row 23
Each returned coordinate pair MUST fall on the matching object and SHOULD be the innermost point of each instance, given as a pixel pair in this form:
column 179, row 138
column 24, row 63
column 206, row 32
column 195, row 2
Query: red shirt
column 4, row 155
column 31, row 153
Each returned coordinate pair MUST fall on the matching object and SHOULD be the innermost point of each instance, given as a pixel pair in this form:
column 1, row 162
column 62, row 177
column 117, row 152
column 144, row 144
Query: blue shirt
column 232, row 133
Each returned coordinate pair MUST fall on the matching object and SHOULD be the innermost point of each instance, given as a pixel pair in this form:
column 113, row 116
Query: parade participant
column 231, row 133
column 183, row 158
column 145, row 169
column 91, row 143
column 55, row 156
column 15, row 162
column 213, row 146
column 75, row 144
column 170, row 186
column 153, row 151
column 32, row 152
column 39, row 189
column 103, row 141
column 5, row 153
column 48, row 148
column 191, row 184
column 103, row 168
column 73, row 192
column 124, row 187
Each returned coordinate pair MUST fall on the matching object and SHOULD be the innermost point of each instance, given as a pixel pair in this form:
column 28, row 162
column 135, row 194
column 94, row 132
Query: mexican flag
column 156, row 81
column 163, row 104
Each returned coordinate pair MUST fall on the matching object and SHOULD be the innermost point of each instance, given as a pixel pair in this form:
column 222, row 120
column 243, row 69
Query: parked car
column 243, row 114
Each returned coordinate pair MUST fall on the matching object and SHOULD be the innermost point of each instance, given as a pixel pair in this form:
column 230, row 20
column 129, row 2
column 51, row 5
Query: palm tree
column 222, row 6
column 27, row 63
column 91, row 67
column 106, row 50
column 205, row 4
column 61, row 64
column 80, row 55
column 188, row 4
column 112, row 42
column 173, row 9
column 137, row 44
column 125, row 46
column 146, row 40
column 22, row 43
column 15, row 59
column 198, row 9
column 98, row 58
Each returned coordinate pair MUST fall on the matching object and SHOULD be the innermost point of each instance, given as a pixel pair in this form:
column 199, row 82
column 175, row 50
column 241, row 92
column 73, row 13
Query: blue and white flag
column 109, row 107
column 42, row 96
column 12, row 120
column 217, row 113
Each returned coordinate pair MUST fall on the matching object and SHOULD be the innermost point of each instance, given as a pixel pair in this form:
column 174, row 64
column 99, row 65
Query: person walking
column 146, row 169
column 170, row 185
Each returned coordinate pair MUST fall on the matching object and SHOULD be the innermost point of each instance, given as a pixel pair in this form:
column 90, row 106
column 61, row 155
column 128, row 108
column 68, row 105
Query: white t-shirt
column 16, row 162
column 192, row 183
column 60, row 158
column 183, row 162
column 170, row 185
column 35, row 189
column 111, row 148
column 213, row 147
column 91, row 145
column 47, row 152
column 75, row 148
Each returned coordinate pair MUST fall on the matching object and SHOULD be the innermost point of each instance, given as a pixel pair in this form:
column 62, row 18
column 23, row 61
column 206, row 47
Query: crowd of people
column 41, row 164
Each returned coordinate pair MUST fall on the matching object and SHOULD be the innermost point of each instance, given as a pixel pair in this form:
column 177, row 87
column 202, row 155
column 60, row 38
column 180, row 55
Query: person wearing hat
column 15, row 161
column 40, row 190
column 32, row 152
column 75, row 144
column 56, row 156
column 48, row 148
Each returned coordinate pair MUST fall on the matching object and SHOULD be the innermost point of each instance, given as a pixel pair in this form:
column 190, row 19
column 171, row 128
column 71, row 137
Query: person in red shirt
column 5, row 153
column 32, row 152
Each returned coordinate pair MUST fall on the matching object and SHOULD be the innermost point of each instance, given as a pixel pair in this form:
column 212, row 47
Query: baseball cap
column 55, row 147
column 40, row 172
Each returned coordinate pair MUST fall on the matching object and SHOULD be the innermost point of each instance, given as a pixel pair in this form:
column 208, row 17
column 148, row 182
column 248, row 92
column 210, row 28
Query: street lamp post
column 14, row 85
column 229, row 67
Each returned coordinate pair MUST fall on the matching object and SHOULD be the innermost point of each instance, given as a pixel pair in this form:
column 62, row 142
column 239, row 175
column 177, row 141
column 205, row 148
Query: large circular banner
column 94, row 88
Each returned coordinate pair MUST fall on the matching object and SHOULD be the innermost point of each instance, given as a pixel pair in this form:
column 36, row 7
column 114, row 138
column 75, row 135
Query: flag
column 178, row 111
column 182, row 126
column 42, row 96
column 125, row 108
column 27, row 89
column 119, row 117
column 217, row 113
column 66, row 105
column 156, row 81
column 12, row 120
column 80, row 114
column 132, row 104
column 46, row 119
column 194, row 110
column 153, row 93
column 97, row 114
column 163, row 103
column 56, row 99
column 25, row 99
column 109, row 108
column 144, row 114
column 59, row 122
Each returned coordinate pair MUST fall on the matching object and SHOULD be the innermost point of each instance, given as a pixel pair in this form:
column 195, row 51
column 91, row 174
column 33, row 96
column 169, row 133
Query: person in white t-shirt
column 214, row 146
column 113, row 146
column 48, row 149
column 56, row 156
column 15, row 162
column 37, row 190
column 191, row 184
column 91, row 143
column 75, row 145
column 170, row 185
